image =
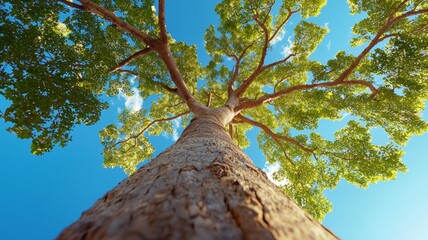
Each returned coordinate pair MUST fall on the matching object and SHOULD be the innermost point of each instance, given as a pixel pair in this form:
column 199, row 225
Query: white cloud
column 278, row 38
column 134, row 102
column 326, row 25
column 344, row 114
column 270, row 169
column 329, row 45
column 287, row 49
column 176, row 125
column 132, row 78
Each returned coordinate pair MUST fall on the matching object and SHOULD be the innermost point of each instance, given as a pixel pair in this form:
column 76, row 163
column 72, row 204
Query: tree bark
column 202, row 187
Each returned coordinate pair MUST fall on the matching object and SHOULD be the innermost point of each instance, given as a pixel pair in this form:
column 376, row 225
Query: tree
column 72, row 60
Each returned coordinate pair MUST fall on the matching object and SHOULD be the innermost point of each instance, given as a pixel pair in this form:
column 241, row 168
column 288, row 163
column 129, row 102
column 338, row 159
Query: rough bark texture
column 202, row 187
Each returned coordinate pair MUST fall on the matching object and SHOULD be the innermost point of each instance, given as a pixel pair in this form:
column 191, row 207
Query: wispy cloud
column 326, row 25
column 329, row 45
column 278, row 38
column 176, row 125
column 270, row 169
column 287, row 49
column 133, row 102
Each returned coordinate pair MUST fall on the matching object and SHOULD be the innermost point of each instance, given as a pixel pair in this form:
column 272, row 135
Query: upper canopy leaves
column 76, row 53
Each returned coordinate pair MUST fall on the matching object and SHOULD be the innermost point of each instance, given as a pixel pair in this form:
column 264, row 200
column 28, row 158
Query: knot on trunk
column 219, row 170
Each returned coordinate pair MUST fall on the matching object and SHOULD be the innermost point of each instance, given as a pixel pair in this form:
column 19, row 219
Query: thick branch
column 132, row 58
column 275, row 136
column 178, row 80
column 91, row 7
column 161, row 21
column 145, row 129
column 161, row 47
column 269, row 97
column 210, row 98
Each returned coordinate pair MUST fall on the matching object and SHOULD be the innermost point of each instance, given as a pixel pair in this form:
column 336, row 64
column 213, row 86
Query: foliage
column 76, row 54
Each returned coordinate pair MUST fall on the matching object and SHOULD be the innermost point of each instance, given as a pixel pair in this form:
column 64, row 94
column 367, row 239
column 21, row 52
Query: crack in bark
column 263, row 208
column 150, row 187
column 234, row 216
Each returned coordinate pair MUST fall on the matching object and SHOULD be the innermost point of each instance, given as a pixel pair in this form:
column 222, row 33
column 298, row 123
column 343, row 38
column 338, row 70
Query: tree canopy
column 60, row 60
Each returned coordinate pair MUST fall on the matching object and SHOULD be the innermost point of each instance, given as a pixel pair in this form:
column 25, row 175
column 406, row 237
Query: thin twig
column 72, row 4
column 147, row 127
column 131, row 58
column 163, row 85
column 272, row 134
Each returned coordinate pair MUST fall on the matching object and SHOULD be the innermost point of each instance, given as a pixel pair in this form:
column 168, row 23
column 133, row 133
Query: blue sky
column 43, row 194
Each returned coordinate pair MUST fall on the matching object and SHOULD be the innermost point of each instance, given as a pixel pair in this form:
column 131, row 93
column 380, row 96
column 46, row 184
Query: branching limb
column 379, row 37
column 133, row 57
column 238, row 60
column 240, row 91
column 267, row 39
column 91, row 7
column 272, row 134
column 279, row 82
column 269, row 97
column 158, row 45
column 290, row 13
column 396, row 9
column 136, row 136
column 164, row 86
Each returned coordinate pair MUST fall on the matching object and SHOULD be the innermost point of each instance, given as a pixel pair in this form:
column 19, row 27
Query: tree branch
column 378, row 38
column 290, row 13
column 210, row 98
column 391, row 15
column 145, row 129
column 164, row 86
column 272, row 134
column 161, row 21
column 279, row 82
column 268, row 38
column 237, row 66
column 133, row 57
column 269, row 97
column 161, row 47
column 72, row 4
column 91, row 7
column 271, row 65
column 241, row 89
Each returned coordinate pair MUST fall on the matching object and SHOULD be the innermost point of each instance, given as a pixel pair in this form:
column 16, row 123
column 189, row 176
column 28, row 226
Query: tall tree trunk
column 202, row 187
